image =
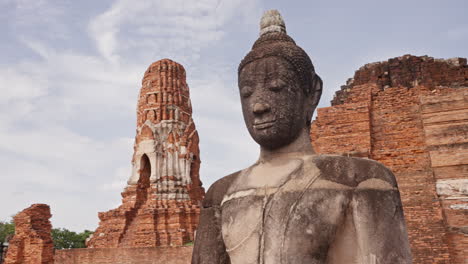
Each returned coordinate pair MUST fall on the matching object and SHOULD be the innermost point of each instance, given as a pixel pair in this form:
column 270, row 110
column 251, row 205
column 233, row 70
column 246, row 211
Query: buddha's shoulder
column 218, row 189
column 353, row 172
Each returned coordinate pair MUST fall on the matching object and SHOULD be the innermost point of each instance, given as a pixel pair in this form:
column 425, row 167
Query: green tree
column 64, row 238
column 7, row 229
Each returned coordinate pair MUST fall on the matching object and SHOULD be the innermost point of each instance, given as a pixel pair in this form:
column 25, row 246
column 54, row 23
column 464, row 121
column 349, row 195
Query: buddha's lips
column 263, row 124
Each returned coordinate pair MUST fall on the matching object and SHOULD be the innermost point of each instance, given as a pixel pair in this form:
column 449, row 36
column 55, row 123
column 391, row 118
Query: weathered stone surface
column 454, row 188
column 417, row 125
column 32, row 242
column 293, row 206
column 160, row 205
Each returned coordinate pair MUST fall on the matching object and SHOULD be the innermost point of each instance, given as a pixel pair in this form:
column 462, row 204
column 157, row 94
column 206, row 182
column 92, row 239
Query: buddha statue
column 292, row 205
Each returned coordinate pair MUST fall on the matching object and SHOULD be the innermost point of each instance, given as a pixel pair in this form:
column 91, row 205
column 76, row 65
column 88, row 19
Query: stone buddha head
column 278, row 86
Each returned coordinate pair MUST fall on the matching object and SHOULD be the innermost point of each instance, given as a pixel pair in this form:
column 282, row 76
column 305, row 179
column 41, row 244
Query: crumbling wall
column 32, row 242
column 445, row 120
column 411, row 114
column 160, row 255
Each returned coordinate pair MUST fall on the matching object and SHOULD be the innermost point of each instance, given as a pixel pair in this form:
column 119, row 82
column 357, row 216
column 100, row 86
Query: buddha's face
column 272, row 102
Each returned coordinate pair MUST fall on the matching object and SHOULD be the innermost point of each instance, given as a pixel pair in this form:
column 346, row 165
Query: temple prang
column 160, row 205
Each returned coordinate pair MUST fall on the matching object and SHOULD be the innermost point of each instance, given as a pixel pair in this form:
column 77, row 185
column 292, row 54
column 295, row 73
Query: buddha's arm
column 209, row 246
column 379, row 223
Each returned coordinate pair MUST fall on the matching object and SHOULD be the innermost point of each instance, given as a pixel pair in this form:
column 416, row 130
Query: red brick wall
column 445, row 119
column 398, row 142
column 345, row 128
column 161, row 255
column 410, row 113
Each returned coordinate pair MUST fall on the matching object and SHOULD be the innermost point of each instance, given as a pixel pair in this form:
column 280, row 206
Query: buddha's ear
column 317, row 86
column 313, row 97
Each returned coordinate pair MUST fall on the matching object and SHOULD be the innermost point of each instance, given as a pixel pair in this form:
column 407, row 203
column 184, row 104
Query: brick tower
column 160, row 205
column 411, row 114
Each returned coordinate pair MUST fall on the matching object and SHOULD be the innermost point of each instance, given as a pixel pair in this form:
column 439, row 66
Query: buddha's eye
column 276, row 85
column 246, row 91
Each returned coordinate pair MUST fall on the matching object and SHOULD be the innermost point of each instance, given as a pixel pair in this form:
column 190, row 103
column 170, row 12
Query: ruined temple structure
column 411, row 114
column 32, row 242
column 160, row 205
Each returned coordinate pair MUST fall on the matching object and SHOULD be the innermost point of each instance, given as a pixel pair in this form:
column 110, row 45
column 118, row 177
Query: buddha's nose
column 260, row 108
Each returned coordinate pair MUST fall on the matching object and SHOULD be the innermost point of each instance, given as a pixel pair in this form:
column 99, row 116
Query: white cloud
column 173, row 27
column 68, row 115
column 18, row 85
column 69, row 88
column 39, row 18
column 119, row 181
column 56, row 166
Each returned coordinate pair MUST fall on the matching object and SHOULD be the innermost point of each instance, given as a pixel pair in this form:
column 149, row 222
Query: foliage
column 64, row 238
column 7, row 229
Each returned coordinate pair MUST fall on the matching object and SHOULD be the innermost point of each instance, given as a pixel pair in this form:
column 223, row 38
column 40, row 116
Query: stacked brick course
column 32, row 242
column 411, row 114
column 160, row 205
column 157, row 255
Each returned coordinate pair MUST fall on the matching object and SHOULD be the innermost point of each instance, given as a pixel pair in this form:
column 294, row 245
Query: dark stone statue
column 293, row 206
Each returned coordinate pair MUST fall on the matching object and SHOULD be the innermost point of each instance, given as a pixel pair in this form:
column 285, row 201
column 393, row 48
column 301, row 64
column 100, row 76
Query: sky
column 70, row 73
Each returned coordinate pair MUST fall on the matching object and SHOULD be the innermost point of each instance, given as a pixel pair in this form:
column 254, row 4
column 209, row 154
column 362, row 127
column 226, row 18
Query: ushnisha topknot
column 275, row 42
column 272, row 22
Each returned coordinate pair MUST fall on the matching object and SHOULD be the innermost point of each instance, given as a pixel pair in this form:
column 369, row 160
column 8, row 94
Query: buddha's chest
column 259, row 226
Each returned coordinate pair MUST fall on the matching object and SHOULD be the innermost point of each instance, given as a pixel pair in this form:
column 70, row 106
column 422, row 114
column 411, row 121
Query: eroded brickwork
column 445, row 120
column 411, row 114
column 158, row 255
column 32, row 242
column 160, row 205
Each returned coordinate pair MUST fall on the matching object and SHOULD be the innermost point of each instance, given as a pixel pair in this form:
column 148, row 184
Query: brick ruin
column 140, row 255
column 411, row 114
column 160, row 205
column 32, row 241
